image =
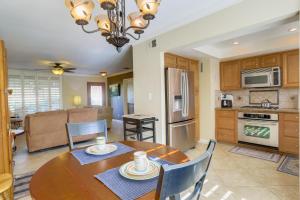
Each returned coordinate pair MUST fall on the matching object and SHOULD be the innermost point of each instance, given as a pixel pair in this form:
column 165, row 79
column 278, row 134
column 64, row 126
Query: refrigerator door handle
column 187, row 94
column 182, row 88
column 183, row 124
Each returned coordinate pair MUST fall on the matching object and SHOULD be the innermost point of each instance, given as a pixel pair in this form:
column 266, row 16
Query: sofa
column 48, row 129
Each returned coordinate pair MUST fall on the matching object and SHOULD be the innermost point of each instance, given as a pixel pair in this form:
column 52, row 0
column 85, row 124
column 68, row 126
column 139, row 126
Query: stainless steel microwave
column 263, row 77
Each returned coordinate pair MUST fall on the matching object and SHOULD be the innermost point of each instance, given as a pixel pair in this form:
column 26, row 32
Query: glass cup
column 141, row 162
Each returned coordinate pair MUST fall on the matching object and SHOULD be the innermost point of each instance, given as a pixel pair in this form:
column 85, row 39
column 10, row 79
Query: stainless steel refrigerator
column 180, row 108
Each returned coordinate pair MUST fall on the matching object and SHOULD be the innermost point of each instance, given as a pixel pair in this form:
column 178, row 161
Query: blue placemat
column 85, row 158
column 125, row 188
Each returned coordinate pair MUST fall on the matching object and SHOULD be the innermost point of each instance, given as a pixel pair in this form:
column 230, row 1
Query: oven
column 258, row 128
column 264, row 77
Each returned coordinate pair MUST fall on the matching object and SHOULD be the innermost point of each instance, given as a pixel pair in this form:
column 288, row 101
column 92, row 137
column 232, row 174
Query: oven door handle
column 255, row 120
column 261, row 124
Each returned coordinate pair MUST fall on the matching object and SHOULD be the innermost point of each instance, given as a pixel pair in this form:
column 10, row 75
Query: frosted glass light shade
column 81, row 10
column 108, row 4
column 103, row 23
column 137, row 20
column 148, row 8
column 77, row 100
column 57, row 71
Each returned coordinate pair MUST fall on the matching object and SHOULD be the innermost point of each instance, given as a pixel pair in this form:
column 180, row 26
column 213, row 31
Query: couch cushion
column 78, row 115
column 46, row 122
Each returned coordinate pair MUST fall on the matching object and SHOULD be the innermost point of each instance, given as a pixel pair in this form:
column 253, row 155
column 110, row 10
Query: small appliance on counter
column 226, row 100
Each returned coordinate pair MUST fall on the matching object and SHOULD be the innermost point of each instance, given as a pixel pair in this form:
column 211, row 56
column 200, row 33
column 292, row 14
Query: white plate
column 130, row 169
column 154, row 172
column 95, row 150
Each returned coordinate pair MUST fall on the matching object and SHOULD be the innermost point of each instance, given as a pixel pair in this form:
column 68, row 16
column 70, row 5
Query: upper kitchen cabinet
column 170, row 60
column 250, row 63
column 230, row 78
column 290, row 69
column 271, row 60
column 182, row 63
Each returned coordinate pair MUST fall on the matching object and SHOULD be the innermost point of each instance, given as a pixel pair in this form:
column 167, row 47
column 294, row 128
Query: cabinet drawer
column 290, row 129
column 221, row 113
column 289, row 145
column 226, row 135
column 290, row 117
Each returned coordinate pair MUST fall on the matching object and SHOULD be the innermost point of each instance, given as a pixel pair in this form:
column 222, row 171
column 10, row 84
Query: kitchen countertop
column 283, row 110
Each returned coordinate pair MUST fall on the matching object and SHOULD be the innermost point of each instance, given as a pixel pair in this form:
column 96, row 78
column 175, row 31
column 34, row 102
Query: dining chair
column 174, row 179
column 6, row 181
column 86, row 128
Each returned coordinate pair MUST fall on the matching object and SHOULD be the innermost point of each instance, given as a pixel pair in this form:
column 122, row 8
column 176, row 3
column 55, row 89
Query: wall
column 209, row 81
column 148, row 62
column 76, row 85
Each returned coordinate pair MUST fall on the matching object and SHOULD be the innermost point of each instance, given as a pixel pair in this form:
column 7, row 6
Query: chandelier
column 112, row 25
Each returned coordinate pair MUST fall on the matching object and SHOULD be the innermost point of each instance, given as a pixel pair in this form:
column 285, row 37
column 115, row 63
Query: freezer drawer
column 182, row 135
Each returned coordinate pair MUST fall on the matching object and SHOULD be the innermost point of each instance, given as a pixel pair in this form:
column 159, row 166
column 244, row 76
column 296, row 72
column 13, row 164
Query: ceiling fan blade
column 69, row 71
column 71, row 68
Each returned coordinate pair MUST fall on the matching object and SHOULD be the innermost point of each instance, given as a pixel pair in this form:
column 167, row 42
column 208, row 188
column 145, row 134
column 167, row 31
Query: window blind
column 34, row 92
column 43, row 94
column 29, row 94
column 16, row 99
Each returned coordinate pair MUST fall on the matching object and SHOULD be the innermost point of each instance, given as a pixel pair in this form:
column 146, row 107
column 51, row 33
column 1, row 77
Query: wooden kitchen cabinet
column 230, row 77
column 271, row 60
column 182, row 63
column 250, row 63
column 289, row 132
column 194, row 67
column 170, row 60
column 226, row 126
column 290, row 69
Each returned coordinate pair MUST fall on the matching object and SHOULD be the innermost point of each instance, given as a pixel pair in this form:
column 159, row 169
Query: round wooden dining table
column 64, row 178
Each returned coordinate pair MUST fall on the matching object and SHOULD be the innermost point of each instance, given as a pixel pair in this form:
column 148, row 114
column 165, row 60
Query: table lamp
column 77, row 101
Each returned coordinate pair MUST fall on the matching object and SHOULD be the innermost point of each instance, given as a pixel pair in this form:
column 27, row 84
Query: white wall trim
column 119, row 73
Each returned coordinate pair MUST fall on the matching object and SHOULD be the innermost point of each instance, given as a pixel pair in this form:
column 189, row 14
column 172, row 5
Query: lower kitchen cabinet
column 289, row 132
column 226, row 126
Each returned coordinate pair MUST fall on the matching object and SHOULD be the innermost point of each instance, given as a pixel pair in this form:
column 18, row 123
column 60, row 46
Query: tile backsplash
column 288, row 98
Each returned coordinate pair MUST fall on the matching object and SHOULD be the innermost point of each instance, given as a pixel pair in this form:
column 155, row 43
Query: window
column 33, row 92
column 96, row 93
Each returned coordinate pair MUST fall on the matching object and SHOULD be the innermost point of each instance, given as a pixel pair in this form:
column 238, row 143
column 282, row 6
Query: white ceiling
column 35, row 31
column 267, row 39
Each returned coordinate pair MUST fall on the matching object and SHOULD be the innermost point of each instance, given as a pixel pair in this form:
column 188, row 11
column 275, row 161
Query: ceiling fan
column 58, row 69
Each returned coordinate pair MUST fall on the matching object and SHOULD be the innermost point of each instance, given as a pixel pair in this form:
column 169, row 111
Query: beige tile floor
column 230, row 177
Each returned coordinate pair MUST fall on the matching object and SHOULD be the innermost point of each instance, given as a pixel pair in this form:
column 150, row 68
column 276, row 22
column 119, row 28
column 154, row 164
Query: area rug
column 289, row 165
column 264, row 155
column 21, row 186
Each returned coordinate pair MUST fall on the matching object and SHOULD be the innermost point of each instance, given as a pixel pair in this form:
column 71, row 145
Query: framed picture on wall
column 115, row 90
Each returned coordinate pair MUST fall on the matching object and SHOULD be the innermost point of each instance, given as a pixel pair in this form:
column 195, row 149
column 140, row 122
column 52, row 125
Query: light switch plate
column 149, row 96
